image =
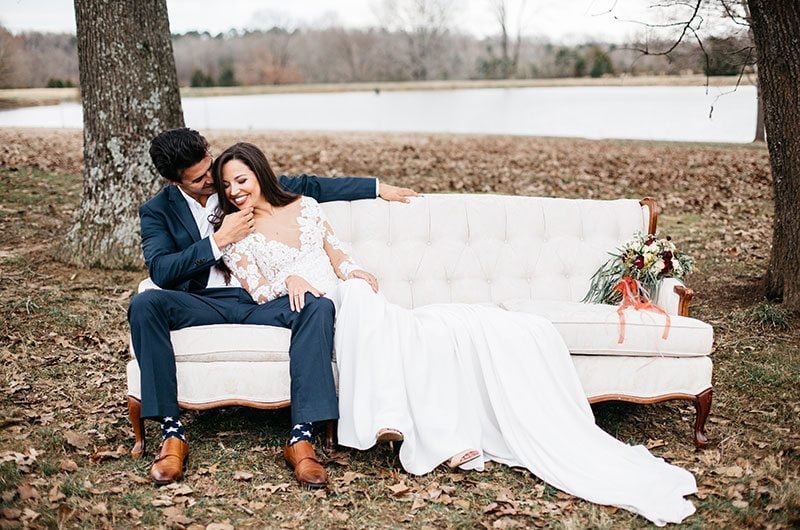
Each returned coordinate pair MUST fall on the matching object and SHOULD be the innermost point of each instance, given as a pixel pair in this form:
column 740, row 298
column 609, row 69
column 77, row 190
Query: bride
column 459, row 384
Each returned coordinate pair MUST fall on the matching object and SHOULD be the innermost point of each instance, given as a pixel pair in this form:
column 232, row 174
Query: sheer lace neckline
column 302, row 215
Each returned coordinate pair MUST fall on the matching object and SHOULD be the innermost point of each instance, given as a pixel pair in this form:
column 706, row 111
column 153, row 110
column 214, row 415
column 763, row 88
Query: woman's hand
column 367, row 277
column 298, row 287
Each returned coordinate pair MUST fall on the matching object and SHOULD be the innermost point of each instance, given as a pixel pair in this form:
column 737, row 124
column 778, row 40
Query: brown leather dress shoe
column 168, row 465
column 307, row 467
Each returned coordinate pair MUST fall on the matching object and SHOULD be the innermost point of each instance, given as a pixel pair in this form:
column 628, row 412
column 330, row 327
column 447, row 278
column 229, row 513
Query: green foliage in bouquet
column 645, row 259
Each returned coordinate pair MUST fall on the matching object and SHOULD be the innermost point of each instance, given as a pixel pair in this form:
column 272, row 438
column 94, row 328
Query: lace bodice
column 262, row 265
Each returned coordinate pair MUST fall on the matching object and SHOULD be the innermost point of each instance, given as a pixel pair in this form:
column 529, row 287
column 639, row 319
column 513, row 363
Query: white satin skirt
column 453, row 377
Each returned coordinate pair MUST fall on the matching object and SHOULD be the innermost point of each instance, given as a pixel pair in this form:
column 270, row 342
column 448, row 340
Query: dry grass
column 63, row 348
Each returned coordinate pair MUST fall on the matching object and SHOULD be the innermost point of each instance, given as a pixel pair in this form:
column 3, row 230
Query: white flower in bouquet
column 645, row 259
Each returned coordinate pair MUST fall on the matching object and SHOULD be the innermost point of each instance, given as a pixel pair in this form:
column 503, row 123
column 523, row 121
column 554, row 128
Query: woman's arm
column 240, row 258
column 343, row 265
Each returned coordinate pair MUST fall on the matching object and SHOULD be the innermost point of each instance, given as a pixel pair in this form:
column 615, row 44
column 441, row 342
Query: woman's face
column 241, row 184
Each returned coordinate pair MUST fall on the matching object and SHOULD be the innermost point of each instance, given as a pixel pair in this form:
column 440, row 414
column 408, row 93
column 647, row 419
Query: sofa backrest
column 484, row 248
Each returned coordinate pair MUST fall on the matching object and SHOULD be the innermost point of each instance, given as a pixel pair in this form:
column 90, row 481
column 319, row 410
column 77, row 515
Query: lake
column 644, row 113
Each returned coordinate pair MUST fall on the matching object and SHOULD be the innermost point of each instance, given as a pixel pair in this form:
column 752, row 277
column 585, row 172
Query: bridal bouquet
column 645, row 260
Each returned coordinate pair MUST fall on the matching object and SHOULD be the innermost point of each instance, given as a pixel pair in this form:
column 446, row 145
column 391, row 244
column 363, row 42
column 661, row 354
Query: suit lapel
column 181, row 209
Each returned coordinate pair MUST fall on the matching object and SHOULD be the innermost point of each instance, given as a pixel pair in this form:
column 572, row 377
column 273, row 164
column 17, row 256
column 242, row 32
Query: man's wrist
column 217, row 244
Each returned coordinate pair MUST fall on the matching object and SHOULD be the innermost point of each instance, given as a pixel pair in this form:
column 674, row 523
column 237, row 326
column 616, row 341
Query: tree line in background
column 286, row 54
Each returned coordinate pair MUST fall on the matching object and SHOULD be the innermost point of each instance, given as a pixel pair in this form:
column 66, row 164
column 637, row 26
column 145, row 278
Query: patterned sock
column 172, row 428
column 301, row 433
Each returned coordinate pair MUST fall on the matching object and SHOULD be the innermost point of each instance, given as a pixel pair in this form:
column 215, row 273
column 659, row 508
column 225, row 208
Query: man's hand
column 235, row 226
column 298, row 287
column 367, row 277
column 388, row 192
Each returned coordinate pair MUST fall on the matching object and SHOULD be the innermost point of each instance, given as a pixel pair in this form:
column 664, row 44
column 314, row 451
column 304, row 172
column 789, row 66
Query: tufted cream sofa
column 528, row 254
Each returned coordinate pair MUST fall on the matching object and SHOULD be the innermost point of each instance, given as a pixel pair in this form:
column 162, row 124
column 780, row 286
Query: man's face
column 197, row 181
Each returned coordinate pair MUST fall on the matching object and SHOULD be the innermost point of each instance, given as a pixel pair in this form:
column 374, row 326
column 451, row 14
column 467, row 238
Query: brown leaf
column 55, row 495
column 350, row 476
column 26, row 492
column 652, row 444
column 99, row 509
column 28, row 516
column 172, row 511
column 136, row 478
column 220, row 526
column 399, row 489
column 77, row 439
column 730, row 471
column 104, row 453
column 242, row 475
column 461, row 503
column 740, row 504
column 182, row 489
column 418, row 504
column 65, row 513
column 11, row 513
column 68, row 465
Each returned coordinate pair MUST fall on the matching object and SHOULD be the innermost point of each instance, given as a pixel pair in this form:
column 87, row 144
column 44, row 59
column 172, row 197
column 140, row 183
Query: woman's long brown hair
column 255, row 159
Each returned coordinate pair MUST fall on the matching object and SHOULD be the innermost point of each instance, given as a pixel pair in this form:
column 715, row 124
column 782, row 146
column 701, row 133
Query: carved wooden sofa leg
column 702, row 404
column 330, row 435
column 135, row 414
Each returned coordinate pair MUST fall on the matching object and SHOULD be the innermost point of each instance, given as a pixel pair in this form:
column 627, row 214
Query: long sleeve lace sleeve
column 240, row 257
column 342, row 263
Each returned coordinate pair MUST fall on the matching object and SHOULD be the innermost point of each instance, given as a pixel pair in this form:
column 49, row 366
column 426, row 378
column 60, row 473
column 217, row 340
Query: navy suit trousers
column 154, row 313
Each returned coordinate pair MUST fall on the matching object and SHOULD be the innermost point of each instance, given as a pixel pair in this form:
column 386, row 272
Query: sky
column 561, row 21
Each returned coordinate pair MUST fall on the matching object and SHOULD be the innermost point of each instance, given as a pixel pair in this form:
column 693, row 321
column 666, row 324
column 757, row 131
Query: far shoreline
column 29, row 97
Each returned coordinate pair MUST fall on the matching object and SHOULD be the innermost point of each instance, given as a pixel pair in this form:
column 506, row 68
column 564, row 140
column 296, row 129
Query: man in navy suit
column 181, row 250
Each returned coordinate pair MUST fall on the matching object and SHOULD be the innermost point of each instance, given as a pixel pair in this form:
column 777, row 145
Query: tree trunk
column 776, row 27
column 129, row 91
column 759, row 136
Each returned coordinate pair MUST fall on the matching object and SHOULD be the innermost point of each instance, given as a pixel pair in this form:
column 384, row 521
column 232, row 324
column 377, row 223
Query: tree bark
column 776, row 31
column 760, row 135
column 129, row 92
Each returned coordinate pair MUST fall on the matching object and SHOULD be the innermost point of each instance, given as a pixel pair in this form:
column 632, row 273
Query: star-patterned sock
column 301, row 432
column 172, row 427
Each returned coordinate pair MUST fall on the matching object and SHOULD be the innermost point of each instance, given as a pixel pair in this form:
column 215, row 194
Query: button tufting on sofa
column 452, row 247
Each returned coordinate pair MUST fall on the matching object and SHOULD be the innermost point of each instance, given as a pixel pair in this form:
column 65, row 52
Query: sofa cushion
column 593, row 329
column 232, row 343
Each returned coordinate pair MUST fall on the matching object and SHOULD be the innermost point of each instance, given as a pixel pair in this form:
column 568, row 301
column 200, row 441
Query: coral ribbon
column 632, row 296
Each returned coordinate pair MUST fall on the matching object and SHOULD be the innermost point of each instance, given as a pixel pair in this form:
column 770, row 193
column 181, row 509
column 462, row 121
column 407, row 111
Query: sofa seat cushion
column 593, row 329
column 231, row 343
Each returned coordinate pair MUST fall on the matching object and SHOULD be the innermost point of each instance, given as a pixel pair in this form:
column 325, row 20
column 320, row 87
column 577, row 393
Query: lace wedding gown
column 453, row 377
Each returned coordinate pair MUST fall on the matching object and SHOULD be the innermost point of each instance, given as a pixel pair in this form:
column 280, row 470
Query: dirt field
column 64, row 433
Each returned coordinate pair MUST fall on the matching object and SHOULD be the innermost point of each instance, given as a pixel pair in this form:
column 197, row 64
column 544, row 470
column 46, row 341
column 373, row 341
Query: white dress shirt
column 201, row 214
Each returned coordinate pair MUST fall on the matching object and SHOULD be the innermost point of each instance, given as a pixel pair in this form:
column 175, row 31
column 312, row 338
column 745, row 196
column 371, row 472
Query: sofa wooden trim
column 685, row 296
column 702, row 405
column 652, row 208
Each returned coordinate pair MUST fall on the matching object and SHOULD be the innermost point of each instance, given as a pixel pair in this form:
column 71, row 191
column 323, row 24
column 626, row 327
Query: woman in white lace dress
column 459, row 383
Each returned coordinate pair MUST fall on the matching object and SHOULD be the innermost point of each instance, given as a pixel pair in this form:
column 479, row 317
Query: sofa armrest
column 146, row 285
column 674, row 297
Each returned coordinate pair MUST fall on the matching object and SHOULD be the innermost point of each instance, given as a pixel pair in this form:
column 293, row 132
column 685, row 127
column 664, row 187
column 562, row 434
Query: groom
column 181, row 249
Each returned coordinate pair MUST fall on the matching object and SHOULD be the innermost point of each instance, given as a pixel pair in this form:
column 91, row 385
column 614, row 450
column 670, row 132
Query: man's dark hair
column 177, row 149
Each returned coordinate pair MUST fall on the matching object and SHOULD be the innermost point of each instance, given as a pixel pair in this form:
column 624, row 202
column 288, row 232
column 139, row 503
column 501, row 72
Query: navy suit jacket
column 175, row 255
